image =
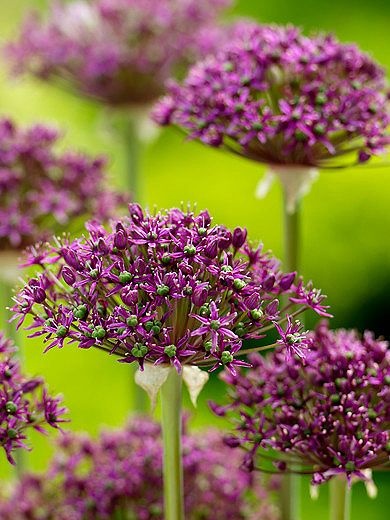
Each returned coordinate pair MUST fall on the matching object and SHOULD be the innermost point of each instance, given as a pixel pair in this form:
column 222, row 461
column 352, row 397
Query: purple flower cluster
column 24, row 403
column 118, row 51
column 329, row 416
column 42, row 191
column 120, row 473
column 278, row 97
column 169, row 288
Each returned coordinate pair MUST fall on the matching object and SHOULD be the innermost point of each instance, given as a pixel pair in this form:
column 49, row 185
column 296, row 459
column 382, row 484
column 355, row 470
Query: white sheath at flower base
column 195, row 379
column 296, row 182
column 152, row 378
column 9, row 267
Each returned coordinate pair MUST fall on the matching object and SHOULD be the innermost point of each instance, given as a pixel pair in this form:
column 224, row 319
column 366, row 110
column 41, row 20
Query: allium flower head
column 170, row 288
column 42, row 191
column 328, row 416
column 118, row 51
column 121, row 473
column 278, row 97
column 24, row 403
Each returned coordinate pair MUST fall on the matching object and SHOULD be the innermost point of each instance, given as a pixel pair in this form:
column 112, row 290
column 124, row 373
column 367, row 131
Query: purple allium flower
column 121, row 473
column 118, row 51
column 24, row 403
column 328, row 416
column 278, row 97
column 42, row 191
column 169, row 288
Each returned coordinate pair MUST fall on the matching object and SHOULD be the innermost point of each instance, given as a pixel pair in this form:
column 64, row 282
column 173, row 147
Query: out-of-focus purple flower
column 278, row 97
column 121, row 473
column 118, row 51
column 328, row 416
column 24, row 403
column 42, row 191
column 169, row 288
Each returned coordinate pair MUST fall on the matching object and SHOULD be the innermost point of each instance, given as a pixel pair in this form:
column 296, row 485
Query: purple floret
column 25, row 403
column 167, row 288
column 328, row 416
column 43, row 191
column 118, row 51
column 279, row 97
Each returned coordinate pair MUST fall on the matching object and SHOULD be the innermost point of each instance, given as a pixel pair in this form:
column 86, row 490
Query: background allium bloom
column 42, row 191
column 121, row 472
column 169, row 288
column 330, row 415
column 279, row 97
column 119, row 51
column 24, row 403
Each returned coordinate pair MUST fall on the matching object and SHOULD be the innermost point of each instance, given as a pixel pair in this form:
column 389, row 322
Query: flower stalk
column 340, row 498
column 291, row 483
column 133, row 149
column 171, row 401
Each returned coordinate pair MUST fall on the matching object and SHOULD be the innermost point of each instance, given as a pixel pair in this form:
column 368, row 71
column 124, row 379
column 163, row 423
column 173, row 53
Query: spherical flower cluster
column 169, row 288
column 118, row 51
column 278, row 97
column 329, row 416
column 42, row 191
column 120, row 473
column 24, row 403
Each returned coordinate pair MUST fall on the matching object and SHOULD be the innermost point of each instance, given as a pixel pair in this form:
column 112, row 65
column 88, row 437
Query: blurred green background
column 346, row 242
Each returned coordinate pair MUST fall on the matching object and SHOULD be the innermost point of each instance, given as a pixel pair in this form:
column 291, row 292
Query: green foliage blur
column 346, row 242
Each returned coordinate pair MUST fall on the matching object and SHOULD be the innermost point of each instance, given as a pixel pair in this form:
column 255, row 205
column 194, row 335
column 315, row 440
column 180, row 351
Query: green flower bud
column 335, row 398
column 226, row 269
column 239, row 284
column 226, row 357
column 350, row 466
column 148, row 325
column 81, row 312
column 132, row 321
column 94, row 273
column 228, row 66
column 166, row 259
column 98, row 332
column 256, row 314
column 371, row 414
column 125, row 277
column 139, row 350
column 61, row 331
column 321, row 99
column 12, row 433
column 163, row 290
column 170, row 350
column 202, row 231
column 215, row 324
column 156, row 330
column 10, row 407
column 204, row 310
column 190, row 250
column 208, row 346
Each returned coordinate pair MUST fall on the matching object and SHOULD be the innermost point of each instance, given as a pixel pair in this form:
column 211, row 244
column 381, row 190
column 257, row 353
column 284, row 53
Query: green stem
column 291, row 237
column 290, row 497
column 340, row 498
column 291, row 483
column 139, row 398
column 171, row 401
column 133, row 146
column 127, row 125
